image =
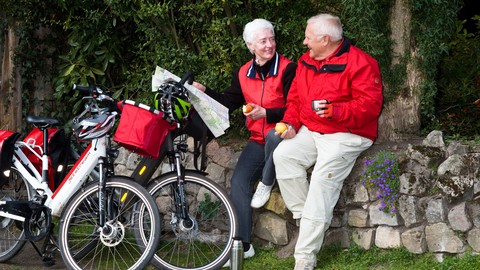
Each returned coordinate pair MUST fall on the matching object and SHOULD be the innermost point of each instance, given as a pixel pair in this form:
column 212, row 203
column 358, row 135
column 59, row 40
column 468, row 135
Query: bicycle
column 99, row 222
column 199, row 220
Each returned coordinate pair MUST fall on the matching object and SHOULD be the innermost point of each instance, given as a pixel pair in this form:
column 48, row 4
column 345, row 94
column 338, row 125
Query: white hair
column 326, row 24
column 251, row 29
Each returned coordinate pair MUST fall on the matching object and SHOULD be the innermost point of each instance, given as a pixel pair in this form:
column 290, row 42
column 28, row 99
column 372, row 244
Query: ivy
column 117, row 44
column 458, row 99
column 367, row 24
column 433, row 24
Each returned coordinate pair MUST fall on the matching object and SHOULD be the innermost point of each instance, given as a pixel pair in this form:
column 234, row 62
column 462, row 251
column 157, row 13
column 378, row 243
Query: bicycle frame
column 96, row 151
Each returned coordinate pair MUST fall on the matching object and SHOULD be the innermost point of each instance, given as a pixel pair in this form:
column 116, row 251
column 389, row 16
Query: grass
column 356, row 258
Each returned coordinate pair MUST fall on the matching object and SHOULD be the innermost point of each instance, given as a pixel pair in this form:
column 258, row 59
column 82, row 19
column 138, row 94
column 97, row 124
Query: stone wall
column 439, row 209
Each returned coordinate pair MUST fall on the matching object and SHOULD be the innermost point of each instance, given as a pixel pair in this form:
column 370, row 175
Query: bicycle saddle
column 42, row 121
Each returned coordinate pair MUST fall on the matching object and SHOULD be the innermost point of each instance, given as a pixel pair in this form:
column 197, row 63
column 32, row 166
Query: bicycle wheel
column 12, row 235
column 204, row 243
column 84, row 244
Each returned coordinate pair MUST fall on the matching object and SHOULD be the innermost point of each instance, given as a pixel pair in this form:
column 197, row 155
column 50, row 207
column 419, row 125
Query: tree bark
column 10, row 91
column 400, row 118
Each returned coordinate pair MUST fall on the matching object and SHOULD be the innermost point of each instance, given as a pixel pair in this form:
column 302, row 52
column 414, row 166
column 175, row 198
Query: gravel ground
column 28, row 258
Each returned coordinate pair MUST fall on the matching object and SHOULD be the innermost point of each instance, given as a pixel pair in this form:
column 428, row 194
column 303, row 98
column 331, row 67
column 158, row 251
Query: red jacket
column 350, row 80
column 267, row 92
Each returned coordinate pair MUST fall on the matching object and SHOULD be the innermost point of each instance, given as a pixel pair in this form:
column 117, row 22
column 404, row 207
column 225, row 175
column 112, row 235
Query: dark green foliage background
column 117, row 44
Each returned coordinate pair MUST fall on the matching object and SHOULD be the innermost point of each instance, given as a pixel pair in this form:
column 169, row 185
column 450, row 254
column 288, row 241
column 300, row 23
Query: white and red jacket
column 267, row 88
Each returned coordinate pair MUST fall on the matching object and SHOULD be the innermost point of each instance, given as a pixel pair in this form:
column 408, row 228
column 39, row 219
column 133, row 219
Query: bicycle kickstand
column 48, row 248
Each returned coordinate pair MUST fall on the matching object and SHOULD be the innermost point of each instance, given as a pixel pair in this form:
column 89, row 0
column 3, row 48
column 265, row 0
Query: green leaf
column 97, row 71
column 68, row 70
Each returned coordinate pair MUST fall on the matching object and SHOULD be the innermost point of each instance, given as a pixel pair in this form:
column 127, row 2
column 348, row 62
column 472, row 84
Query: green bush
column 117, row 44
column 457, row 103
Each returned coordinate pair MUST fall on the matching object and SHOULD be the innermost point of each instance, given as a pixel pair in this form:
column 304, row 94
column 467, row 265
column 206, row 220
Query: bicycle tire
column 83, row 245
column 12, row 235
column 207, row 244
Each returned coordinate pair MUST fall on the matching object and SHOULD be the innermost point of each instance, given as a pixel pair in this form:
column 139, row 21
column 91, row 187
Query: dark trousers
column 255, row 162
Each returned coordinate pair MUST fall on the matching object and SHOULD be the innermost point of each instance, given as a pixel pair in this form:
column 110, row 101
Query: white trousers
column 313, row 201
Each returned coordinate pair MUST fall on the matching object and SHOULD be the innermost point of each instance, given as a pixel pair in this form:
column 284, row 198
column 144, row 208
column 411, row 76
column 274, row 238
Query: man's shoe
column 304, row 265
column 261, row 196
column 246, row 254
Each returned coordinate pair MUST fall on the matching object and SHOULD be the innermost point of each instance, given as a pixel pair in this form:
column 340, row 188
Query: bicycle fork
column 180, row 198
column 102, row 197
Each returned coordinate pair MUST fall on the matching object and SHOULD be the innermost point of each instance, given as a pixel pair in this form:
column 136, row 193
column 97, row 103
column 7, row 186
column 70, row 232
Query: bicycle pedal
column 48, row 260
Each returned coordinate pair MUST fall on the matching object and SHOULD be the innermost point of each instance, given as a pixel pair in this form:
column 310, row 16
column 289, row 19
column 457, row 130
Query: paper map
column 214, row 114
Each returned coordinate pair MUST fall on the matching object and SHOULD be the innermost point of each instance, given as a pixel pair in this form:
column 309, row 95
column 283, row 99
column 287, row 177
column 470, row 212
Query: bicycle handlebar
column 187, row 77
column 87, row 90
column 94, row 92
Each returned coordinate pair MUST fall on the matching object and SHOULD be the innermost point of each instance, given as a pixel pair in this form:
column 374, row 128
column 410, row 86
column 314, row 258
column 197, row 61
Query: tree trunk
column 10, row 90
column 400, row 118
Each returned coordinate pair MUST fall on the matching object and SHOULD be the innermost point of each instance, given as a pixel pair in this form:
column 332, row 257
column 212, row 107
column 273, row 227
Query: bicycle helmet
column 94, row 126
column 173, row 100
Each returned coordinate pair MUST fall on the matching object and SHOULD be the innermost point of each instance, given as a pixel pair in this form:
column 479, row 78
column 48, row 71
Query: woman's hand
column 257, row 112
column 199, row 86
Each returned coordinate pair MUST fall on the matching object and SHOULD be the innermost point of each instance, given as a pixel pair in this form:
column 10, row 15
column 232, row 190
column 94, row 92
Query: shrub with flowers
column 381, row 174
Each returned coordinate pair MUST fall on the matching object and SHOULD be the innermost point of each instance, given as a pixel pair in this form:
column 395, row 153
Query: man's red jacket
column 350, row 80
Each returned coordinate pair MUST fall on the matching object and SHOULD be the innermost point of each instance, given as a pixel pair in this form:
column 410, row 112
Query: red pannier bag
column 142, row 129
column 58, row 150
column 7, row 144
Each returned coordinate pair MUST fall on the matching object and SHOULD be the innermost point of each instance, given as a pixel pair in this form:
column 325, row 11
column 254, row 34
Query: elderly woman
column 263, row 82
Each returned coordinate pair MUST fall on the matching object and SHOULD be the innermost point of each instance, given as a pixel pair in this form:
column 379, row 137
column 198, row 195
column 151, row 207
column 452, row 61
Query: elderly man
column 332, row 116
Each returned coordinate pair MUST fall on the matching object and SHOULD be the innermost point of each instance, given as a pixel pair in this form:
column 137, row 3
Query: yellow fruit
column 247, row 108
column 280, row 127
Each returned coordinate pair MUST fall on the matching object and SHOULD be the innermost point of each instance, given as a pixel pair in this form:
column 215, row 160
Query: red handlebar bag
column 7, row 142
column 142, row 129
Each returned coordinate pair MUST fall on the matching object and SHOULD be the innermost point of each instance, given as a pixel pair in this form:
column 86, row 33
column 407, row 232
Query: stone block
column 413, row 184
column 358, row 218
column 388, row 237
column 473, row 239
column 441, row 238
column 409, row 210
column 436, row 211
column 276, row 204
column 458, row 218
column 337, row 236
column 272, row 228
column 378, row 217
column 364, row 237
column 414, row 240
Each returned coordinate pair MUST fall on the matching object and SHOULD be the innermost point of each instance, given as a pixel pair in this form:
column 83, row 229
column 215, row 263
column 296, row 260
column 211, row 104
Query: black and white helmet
column 173, row 100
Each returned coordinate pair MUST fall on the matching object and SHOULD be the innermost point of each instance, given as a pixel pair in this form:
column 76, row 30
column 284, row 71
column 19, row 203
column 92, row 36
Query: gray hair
column 326, row 24
column 253, row 27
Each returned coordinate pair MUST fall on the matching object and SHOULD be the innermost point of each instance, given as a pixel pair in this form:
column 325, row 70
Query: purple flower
column 381, row 172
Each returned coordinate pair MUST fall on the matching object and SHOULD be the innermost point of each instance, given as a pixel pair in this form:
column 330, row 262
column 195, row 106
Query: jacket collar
column 315, row 65
column 274, row 67
column 345, row 47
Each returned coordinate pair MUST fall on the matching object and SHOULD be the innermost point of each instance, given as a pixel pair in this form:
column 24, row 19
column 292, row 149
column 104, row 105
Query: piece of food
column 247, row 108
column 280, row 127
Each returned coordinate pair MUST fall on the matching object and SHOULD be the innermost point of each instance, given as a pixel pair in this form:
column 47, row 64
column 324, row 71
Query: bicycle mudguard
column 145, row 169
column 7, row 143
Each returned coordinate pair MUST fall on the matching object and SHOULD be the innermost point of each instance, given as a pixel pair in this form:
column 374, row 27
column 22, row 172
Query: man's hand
column 287, row 134
column 323, row 108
